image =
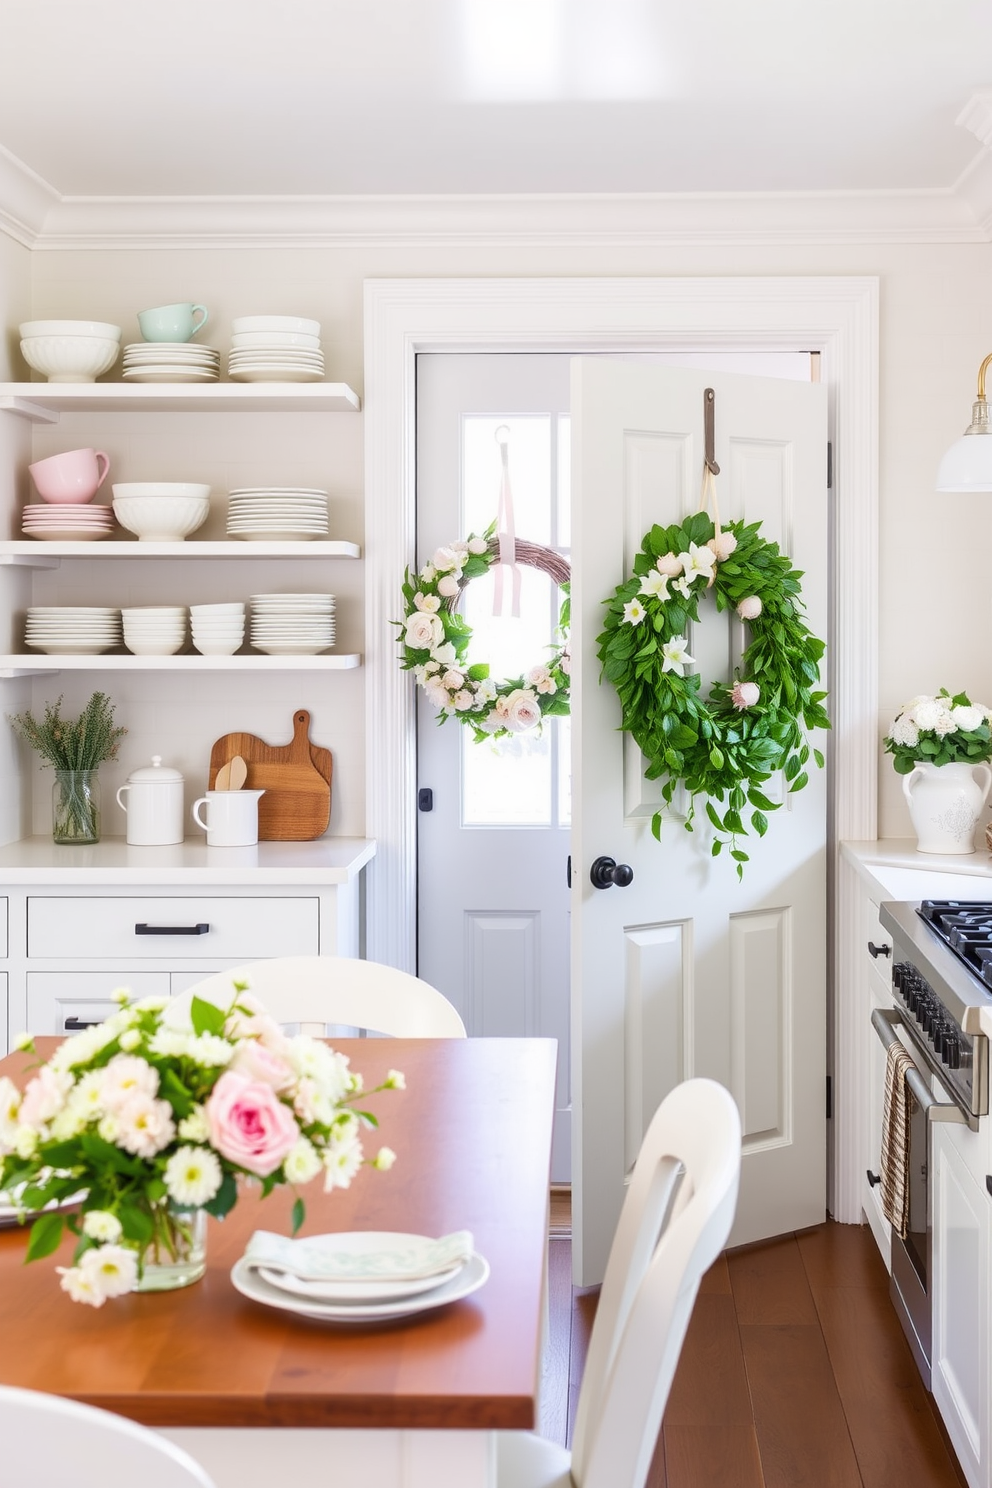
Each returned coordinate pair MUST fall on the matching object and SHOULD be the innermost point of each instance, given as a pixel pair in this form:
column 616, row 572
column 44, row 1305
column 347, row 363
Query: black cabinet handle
column 988, row 1182
column 75, row 1025
column 199, row 929
column 873, row 1178
column 875, row 951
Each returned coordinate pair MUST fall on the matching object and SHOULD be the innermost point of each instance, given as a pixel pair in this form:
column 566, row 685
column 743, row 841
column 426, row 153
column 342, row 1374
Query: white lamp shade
column 967, row 465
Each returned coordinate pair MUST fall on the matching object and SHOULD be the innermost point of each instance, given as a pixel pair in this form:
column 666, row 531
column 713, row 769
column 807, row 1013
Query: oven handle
column 885, row 1023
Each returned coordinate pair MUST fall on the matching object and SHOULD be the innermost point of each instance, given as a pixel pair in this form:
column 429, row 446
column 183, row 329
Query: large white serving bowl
column 181, row 490
column 70, row 328
column 160, row 518
column 70, row 358
column 291, row 324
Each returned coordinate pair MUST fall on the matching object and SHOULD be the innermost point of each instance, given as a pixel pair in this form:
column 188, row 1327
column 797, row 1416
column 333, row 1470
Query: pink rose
column 750, row 608
column 249, row 1125
column 253, row 1060
column 669, row 565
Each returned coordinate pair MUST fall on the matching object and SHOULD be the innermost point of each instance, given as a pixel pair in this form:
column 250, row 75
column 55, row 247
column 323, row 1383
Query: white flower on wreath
column 522, row 710
column 452, row 680
column 463, row 700
column 676, row 656
column 541, row 680
column 654, row 585
column 447, row 558
column 634, row 612
column 669, row 565
column 423, row 631
column 684, row 585
column 698, row 560
column 448, row 585
column 436, row 693
column 478, row 546
column 445, row 654
column 493, row 721
column 485, row 691
column 429, row 603
column 722, row 545
column 427, row 573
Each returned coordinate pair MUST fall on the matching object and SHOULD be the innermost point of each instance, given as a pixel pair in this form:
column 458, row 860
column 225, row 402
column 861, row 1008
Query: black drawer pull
column 875, row 951
column 199, row 929
column 75, row 1025
column 873, row 1178
column 988, row 1183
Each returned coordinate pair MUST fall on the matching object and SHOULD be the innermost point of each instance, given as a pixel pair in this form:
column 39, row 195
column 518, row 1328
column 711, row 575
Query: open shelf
column 43, row 402
column 26, row 665
column 28, row 554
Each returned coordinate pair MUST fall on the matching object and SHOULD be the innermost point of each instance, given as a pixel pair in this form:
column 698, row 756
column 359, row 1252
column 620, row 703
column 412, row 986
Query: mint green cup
column 172, row 322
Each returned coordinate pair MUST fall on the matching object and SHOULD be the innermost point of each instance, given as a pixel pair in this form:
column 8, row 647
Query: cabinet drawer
column 83, row 996
column 175, row 928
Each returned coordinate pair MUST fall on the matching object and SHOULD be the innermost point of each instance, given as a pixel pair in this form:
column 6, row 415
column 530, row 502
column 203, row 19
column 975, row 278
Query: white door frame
column 836, row 316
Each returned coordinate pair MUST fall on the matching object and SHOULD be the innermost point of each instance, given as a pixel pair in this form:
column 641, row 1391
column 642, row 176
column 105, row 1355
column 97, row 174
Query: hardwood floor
column 794, row 1373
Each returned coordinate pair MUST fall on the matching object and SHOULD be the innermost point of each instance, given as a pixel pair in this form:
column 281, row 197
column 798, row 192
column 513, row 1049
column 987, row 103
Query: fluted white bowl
column 70, row 358
column 161, row 518
column 182, row 490
column 70, row 328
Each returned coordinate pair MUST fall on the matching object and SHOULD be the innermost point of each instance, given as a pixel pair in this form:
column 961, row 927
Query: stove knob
column 952, row 1057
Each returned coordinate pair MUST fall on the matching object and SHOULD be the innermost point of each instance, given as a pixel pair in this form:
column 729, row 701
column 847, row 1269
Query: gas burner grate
column 965, row 927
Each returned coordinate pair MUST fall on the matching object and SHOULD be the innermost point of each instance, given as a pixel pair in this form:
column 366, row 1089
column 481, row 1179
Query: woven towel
column 897, row 1111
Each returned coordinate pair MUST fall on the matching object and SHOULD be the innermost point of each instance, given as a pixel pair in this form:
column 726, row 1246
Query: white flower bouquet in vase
column 153, row 1117
column 941, row 746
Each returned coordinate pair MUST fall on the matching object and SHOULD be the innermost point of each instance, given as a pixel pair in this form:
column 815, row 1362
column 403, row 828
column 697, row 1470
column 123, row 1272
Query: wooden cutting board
column 295, row 777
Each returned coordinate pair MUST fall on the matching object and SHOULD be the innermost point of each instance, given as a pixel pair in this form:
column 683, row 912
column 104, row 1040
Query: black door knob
column 605, row 872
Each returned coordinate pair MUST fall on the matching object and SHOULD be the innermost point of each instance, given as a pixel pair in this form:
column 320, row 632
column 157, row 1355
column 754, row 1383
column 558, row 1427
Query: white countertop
column 325, row 861
column 896, row 870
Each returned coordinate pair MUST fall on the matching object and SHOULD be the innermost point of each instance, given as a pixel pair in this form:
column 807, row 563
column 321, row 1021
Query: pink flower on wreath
column 744, row 695
column 749, row 608
column 249, row 1125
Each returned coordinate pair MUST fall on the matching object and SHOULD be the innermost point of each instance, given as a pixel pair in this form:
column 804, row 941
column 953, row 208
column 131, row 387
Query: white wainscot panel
column 760, row 1025
column 502, row 951
column 656, row 968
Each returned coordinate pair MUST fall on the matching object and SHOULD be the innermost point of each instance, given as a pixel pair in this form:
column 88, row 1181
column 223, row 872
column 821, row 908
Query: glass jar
column 76, row 806
column 177, row 1253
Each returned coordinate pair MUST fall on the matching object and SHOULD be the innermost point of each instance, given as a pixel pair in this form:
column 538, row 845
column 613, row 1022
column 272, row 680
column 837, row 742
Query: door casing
column 836, row 316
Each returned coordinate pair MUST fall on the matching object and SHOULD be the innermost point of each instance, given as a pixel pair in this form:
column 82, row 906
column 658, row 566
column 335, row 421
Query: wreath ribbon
column 506, row 531
column 708, row 493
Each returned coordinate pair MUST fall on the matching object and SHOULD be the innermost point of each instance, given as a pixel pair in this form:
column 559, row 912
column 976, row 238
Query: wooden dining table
column 262, row 1397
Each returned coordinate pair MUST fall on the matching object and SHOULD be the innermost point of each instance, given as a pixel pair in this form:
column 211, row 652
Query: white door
column 492, row 849
column 688, row 971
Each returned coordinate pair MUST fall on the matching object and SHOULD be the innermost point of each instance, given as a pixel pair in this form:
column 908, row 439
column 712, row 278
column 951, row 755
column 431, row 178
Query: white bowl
column 217, row 648
column 274, row 340
column 294, row 324
column 155, row 612
column 153, row 648
column 70, row 328
column 209, row 611
column 184, row 490
column 160, row 518
column 70, row 358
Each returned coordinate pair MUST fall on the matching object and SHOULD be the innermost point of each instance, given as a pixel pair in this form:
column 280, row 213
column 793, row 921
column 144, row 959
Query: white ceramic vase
column 945, row 803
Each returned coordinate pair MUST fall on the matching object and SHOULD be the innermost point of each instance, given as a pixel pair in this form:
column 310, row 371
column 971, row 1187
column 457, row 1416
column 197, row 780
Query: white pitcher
column 945, row 803
column 232, row 817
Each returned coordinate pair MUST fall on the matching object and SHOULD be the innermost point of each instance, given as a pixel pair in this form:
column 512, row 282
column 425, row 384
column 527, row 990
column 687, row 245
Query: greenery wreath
column 435, row 641
column 725, row 747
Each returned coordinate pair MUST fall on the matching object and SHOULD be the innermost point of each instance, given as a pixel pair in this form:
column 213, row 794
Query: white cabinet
column 962, row 1223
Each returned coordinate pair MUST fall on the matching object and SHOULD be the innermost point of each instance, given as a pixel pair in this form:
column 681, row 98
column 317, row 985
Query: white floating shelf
column 31, row 666
column 43, row 402
column 28, row 554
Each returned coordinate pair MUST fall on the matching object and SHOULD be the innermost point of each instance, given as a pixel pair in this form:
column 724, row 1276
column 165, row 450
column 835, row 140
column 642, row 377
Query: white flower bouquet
column 159, row 1111
column 940, row 730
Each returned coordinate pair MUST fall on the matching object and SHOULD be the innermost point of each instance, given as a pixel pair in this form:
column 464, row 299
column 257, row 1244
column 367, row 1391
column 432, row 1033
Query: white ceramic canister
column 155, row 816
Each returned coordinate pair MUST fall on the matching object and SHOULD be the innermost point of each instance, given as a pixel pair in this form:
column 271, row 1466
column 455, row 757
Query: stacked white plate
column 67, row 523
column 155, row 630
column 360, row 1277
column 73, row 630
column 275, row 348
column 277, row 513
column 292, row 624
column 170, row 361
column 218, row 629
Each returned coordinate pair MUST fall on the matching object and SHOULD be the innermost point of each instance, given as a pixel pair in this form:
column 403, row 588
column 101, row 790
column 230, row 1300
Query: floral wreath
column 435, row 641
column 725, row 747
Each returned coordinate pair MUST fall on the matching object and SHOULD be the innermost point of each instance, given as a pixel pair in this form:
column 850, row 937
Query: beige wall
column 936, row 325
column 15, row 302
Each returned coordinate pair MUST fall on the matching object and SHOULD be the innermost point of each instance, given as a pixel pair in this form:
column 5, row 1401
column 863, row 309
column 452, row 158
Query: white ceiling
column 222, row 98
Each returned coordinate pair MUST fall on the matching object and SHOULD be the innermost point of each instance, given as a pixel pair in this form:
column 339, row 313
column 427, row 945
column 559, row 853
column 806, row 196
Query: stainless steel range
column 941, row 979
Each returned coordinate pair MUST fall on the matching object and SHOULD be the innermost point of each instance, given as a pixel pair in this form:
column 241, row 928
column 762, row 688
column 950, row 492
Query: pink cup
column 71, row 478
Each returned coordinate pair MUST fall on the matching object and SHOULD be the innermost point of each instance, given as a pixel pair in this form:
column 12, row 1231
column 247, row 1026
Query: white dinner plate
column 9, row 1212
column 469, row 1279
column 168, row 374
column 270, row 374
column 276, row 534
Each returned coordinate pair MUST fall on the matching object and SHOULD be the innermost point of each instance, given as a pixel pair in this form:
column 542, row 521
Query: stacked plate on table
column 66, row 523
column 275, row 348
column 155, row 630
column 292, row 624
column 365, row 1276
column 73, row 630
column 277, row 513
column 170, row 361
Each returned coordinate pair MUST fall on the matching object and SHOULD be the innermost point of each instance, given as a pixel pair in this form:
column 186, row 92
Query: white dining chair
column 674, row 1223
column 317, row 990
column 49, row 1442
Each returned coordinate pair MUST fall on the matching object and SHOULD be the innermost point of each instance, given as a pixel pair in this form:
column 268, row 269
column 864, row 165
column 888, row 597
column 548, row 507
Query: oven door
column 912, row 1257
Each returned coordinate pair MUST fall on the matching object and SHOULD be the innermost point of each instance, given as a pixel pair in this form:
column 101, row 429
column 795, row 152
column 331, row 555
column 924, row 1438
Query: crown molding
column 36, row 215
